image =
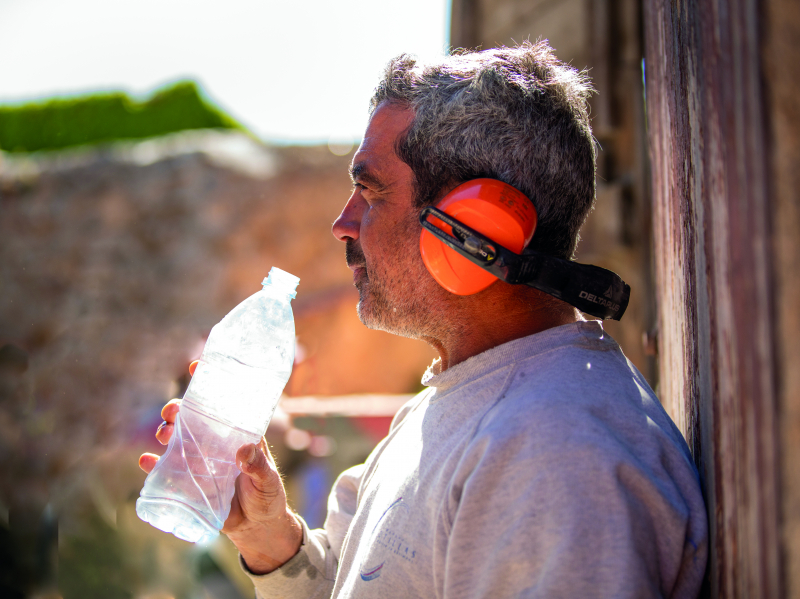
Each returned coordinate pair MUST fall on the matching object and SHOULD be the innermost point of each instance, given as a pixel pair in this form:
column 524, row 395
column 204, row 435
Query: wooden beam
column 712, row 232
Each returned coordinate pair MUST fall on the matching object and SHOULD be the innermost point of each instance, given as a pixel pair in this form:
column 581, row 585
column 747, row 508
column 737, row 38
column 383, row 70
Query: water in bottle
column 244, row 367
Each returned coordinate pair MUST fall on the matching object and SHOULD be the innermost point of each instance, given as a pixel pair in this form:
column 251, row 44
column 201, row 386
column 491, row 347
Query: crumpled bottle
column 244, row 367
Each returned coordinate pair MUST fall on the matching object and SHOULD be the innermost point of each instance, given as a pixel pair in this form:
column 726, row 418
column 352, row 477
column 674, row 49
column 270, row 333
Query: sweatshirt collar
column 508, row 353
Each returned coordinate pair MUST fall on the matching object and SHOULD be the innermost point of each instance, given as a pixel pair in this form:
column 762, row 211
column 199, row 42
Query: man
column 538, row 462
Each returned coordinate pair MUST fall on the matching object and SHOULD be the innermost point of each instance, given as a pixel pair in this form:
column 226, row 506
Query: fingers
column 169, row 413
column 170, row 410
column 147, row 461
column 164, row 432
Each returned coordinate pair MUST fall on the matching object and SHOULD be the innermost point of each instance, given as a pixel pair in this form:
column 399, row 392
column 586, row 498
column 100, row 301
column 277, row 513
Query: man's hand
column 260, row 523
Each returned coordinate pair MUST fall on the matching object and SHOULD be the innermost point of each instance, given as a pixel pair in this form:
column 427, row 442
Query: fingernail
column 252, row 457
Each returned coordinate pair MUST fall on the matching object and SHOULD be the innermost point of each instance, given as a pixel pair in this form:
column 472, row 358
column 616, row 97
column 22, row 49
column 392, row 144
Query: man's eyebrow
column 360, row 173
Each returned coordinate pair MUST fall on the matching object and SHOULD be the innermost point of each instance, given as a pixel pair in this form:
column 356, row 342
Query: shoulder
column 578, row 452
column 582, row 417
column 581, row 394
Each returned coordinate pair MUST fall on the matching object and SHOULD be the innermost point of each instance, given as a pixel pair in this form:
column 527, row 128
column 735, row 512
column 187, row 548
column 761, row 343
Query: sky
column 291, row 71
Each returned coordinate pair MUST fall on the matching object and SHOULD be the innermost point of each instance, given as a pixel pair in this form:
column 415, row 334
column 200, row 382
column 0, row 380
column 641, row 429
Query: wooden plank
column 780, row 24
column 712, row 219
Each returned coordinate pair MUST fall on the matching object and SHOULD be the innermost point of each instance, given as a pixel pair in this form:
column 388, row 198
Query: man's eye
column 359, row 186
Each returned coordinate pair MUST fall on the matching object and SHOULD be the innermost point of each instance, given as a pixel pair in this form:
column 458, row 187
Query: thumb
column 253, row 462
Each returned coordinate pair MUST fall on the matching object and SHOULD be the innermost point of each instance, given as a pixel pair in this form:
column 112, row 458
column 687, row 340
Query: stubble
column 394, row 297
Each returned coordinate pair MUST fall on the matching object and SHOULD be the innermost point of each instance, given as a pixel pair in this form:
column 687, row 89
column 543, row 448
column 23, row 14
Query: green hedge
column 98, row 118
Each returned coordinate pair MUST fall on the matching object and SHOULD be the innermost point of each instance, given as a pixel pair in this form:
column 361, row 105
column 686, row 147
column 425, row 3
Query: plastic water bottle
column 244, row 367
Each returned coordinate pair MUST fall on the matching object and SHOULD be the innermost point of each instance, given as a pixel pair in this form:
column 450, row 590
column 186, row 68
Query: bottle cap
column 282, row 280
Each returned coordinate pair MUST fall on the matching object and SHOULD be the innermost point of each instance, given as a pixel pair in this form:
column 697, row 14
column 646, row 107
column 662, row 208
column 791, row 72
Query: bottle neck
column 280, row 279
column 277, row 291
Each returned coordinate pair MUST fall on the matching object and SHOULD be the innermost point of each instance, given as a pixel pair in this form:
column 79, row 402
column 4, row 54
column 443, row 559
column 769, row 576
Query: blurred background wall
column 115, row 264
column 118, row 255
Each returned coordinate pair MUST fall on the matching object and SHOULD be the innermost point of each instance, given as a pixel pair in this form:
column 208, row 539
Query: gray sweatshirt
column 544, row 467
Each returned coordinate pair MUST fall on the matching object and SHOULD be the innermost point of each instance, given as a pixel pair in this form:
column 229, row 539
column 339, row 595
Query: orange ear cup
column 494, row 209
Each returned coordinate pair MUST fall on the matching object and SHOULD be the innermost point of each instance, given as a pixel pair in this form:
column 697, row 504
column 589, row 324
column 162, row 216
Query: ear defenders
column 492, row 208
column 478, row 233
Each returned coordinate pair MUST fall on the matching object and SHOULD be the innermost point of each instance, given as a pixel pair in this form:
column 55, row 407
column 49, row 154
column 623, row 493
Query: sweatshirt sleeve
column 312, row 572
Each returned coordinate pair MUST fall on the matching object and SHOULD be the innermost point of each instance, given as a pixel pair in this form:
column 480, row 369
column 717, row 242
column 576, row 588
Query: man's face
column 380, row 226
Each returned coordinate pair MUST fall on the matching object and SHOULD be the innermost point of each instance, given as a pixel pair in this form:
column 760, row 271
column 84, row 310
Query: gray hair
column 514, row 114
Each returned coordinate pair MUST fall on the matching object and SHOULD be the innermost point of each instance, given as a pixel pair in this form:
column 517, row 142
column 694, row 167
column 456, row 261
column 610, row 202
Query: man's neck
column 506, row 316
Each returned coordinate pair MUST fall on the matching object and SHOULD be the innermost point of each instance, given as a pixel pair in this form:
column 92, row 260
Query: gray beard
column 406, row 317
column 410, row 316
column 376, row 312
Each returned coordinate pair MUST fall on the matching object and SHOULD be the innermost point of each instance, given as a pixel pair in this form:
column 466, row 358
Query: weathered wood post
column 724, row 128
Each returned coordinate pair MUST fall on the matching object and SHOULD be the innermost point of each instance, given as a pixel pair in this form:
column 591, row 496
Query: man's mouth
column 355, row 260
column 359, row 276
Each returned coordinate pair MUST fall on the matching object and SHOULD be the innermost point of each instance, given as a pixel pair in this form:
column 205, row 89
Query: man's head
column 514, row 114
column 517, row 115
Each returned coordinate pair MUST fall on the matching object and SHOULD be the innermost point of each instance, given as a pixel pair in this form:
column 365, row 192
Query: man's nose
column 348, row 223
